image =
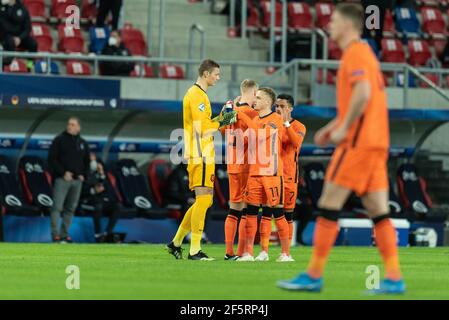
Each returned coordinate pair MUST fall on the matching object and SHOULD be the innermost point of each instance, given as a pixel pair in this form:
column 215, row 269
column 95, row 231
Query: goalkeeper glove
column 227, row 119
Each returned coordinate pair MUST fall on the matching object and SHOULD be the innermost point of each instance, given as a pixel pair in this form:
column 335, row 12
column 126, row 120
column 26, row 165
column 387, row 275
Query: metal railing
column 288, row 73
column 196, row 28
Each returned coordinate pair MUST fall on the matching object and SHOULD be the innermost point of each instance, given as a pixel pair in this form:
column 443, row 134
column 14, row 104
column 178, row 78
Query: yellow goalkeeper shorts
column 201, row 174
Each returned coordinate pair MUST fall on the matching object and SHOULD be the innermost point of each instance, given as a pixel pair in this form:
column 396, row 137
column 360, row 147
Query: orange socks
column 241, row 247
column 265, row 232
column 324, row 237
column 283, row 230
column 387, row 244
column 251, row 230
column 230, row 230
column 289, row 218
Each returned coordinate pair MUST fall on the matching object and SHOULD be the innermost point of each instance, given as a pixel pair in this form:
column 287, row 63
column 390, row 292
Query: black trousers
column 107, row 6
column 105, row 208
column 28, row 44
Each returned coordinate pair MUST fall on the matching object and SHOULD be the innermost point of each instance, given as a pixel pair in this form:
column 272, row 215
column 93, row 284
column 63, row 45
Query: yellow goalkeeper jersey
column 198, row 126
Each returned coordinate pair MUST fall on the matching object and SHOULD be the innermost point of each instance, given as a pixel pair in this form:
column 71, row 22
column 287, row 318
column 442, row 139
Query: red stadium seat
column 299, row 16
column 88, row 9
column 78, row 68
column 36, row 8
column 419, row 52
column 253, row 20
column 433, row 3
column 17, row 66
column 70, row 39
column 432, row 77
column 158, row 172
column 134, row 41
column 41, row 33
column 392, row 51
column 323, row 14
column 58, row 8
column 330, row 77
column 439, row 45
column 389, row 26
column 334, row 51
column 146, row 72
column 266, row 8
column 433, row 21
column 169, row 71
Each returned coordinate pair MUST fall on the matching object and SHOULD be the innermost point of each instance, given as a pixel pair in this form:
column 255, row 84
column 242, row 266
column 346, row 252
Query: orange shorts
column 361, row 170
column 290, row 194
column 237, row 186
column 265, row 190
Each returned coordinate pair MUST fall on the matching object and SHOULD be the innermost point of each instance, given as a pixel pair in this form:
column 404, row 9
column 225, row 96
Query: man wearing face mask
column 116, row 47
column 68, row 161
column 98, row 193
column 15, row 27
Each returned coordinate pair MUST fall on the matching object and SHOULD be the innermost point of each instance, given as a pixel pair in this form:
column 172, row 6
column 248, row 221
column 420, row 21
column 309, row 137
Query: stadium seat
column 266, row 8
column 158, row 172
column 389, row 30
column 323, row 14
column 40, row 67
column 334, row 51
column 36, row 183
column 412, row 190
column 433, row 21
column 434, row 3
column 70, row 39
column 98, row 38
column 439, row 44
column 169, row 71
column 314, row 178
column 134, row 40
column 36, row 9
column 419, row 52
column 41, row 33
column 253, row 20
column 78, row 68
column 392, row 51
column 58, row 8
column 146, row 71
column 17, row 66
column 299, row 16
column 394, row 202
column 11, row 197
column 330, row 77
column 400, row 79
column 407, row 21
column 433, row 77
column 134, row 190
column 89, row 9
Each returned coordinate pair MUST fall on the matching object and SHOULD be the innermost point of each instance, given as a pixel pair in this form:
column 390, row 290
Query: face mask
column 93, row 165
column 5, row 2
column 112, row 41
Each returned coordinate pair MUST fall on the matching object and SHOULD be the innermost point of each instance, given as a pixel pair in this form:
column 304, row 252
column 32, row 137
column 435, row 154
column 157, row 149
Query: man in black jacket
column 98, row 193
column 115, row 47
column 68, row 161
column 15, row 27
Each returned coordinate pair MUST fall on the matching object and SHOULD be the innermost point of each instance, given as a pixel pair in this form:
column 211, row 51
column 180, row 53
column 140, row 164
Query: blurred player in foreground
column 359, row 163
column 200, row 154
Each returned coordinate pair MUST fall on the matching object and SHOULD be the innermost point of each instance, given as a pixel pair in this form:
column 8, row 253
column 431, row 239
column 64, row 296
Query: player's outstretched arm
column 295, row 138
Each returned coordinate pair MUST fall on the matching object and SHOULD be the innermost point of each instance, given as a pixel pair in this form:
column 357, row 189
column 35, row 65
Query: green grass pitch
column 37, row 271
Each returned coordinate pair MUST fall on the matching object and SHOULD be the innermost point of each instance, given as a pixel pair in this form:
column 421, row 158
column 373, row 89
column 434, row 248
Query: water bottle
column 229, row 106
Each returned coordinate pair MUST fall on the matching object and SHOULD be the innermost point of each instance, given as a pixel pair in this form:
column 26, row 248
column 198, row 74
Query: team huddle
column 263, row 144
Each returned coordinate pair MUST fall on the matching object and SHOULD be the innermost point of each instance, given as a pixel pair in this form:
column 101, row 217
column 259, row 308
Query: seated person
column 15, row 27
column 96, row 193
column 115, row 47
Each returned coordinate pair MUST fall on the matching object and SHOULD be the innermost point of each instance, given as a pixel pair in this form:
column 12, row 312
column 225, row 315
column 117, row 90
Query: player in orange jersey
column 291, row 145
column 238, row 169
column 359, row 163
column 265, row 183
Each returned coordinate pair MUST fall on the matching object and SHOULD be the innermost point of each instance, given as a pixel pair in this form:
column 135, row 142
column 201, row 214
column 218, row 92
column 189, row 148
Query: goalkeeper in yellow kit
column 200, row 154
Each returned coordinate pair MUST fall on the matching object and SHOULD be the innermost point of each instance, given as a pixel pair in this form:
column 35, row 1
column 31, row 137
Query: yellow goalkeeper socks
column 184, row 227
column 202, row 203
